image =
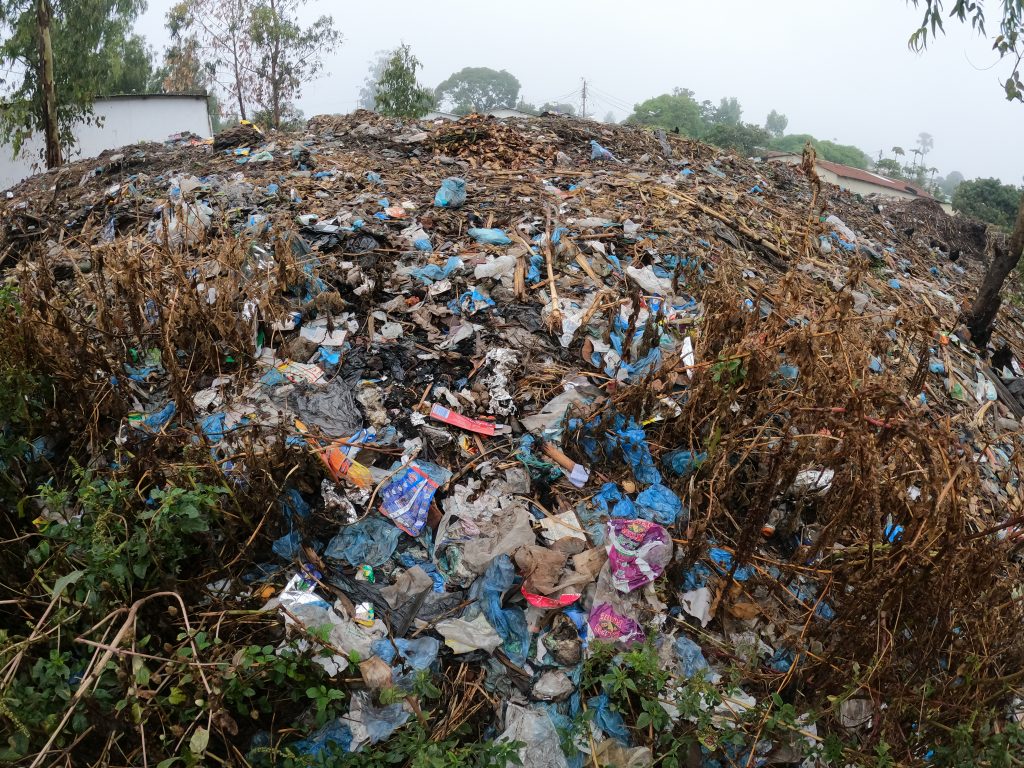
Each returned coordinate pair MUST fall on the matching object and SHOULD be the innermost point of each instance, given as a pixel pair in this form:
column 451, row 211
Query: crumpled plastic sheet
column 417, row 654
column 465, row 636
column 638, row 551
column 332, row 736
column 509, row 623
column 432, row 273
column 661, row 505
column 370, row 724
column 331, row 408
column 489, row 236
column 607, row 719
column 371, row 541
column 697, row 577
column 683, row 462
column 597, row 152
column 613, row 502
column 632, row 440
column 533, row 727
column 452, row 193
column 691, row 658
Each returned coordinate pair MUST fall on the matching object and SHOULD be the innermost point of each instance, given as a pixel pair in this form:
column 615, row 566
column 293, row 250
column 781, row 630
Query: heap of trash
column 513, row 406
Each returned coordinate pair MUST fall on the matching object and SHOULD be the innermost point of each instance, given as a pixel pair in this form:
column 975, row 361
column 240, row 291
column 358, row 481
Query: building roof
column 118, row 96
column 857, row 174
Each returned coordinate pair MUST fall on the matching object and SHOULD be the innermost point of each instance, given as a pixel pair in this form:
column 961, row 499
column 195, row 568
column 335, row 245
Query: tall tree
column 88, row 40
column 285, row 54
column 559, row 107
column 776, row 124
column 728, row 112
column 1009, row 44
column 478, row 89
column 989, row 200
column 220, row 31
column 398, row 93
column 610, row 117
column 368, row 91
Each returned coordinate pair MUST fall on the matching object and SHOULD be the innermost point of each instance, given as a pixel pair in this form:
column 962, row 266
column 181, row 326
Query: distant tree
column 925, row 142
column 1009, row 44
column 888, row 167
column 609, row 117
column 845, row 154
column 671, row 111
column 524, row 106
column 776, row 124
column 286, row 55
column 745, row 138
column 729, row 112
column 292, row 118
column 91, row 51
column 898, row 152
column 368, row 92
column 951, row 182
column 989, row 200
column 560, row 108
column 478, row 89
column 398, row 93
column 185, row 71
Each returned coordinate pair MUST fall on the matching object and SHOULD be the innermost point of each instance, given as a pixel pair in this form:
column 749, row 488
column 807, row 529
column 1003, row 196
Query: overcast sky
column 839, row 69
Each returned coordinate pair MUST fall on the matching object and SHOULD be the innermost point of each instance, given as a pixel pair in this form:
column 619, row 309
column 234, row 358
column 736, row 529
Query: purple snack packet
column 610, row 626
column 638, row 551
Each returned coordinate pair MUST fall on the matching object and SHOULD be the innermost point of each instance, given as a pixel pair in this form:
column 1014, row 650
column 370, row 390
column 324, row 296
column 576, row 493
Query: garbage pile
column 519, row 404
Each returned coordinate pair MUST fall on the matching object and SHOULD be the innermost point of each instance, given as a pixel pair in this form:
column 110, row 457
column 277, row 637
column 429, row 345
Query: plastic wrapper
column 661, row 505
column 534, row 729
column 610, row 626
column 691, row 658
column 406, row 498
column 638, row 551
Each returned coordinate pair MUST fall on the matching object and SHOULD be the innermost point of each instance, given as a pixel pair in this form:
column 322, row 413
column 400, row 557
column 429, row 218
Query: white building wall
column 126, row 120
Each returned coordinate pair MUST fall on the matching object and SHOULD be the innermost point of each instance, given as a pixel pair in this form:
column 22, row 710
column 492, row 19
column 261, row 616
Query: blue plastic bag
column 433, row 273
column 509, row 623
column 607, row 719
column 633, row 441
column 660, row 504
column 418, row 654
column 691, row 658
column 452, row 193
column 371, row 541
column 611, row 501
column 406, row 499
column 489, row 236
column 597, row 152
column 683, row 462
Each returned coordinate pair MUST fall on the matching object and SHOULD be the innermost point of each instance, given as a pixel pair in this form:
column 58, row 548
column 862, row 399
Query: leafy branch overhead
column 398, row 94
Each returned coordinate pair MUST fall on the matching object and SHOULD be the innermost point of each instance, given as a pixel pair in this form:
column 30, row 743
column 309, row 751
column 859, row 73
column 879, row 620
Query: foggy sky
column 838, row 69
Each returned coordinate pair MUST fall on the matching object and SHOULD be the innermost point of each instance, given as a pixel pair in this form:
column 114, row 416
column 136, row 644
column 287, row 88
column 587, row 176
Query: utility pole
column 583, row 106
column 50, row 130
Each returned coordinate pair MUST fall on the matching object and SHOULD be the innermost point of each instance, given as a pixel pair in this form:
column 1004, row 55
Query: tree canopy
column 671, row 111
column 478, row 89
column 845, row 154
column 398, row 93
column 94, row 53
column 989, row 200
column 776, row 124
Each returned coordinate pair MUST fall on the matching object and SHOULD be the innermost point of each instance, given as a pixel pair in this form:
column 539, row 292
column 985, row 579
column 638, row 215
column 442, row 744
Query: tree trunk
column 983, row 313
column 275, row 85
column 49, row 90
column 238, row 81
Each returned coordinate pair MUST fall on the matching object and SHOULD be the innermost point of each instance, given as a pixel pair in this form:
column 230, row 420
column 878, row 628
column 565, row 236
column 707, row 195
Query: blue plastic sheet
column 418, row 654
column 213, row 427
column 406, row 498
column 607, row 719
column 333, row 736
column 470, row 302
column 432, row 273
column 371, row 541
column 691, row 658
column 660, row 504
column 597, row 152
column 489, row 236
column 509, row 623
column 452, row 193
column 289, row 546
column 683, row 462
